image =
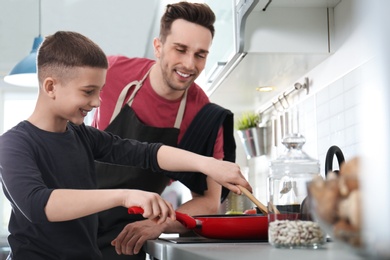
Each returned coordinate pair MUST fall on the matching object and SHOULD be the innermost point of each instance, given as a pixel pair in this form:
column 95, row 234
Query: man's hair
column 65, row 50
column 198, row 13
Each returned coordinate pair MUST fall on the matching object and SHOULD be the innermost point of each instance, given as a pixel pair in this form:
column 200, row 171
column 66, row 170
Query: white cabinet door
column 223, row 43
column 288, row 30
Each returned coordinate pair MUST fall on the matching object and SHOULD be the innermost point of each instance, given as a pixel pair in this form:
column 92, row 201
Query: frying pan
column 240, row 227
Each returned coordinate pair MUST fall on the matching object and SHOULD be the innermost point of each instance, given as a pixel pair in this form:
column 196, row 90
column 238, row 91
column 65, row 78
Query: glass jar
column 237, row 204
column 234, row 204
column 290, row 223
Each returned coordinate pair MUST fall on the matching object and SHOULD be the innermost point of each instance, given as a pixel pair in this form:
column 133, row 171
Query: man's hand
column 134, row 235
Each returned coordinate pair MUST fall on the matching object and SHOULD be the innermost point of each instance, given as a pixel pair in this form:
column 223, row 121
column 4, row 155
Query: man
column 158, row 101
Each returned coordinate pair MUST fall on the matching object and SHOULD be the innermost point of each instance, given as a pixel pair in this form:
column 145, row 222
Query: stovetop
column 191, row 240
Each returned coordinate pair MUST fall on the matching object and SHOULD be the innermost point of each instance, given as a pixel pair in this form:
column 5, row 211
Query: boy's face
column 78, row 93
column 183, row 55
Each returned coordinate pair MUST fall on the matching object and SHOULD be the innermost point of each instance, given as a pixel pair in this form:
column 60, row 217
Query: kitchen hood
column 276, row 43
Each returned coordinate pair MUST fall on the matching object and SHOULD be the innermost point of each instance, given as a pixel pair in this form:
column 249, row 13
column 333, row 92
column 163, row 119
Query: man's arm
column 134, row 235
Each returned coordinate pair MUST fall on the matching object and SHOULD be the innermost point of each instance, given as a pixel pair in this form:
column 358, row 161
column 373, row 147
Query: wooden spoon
column 254, row 200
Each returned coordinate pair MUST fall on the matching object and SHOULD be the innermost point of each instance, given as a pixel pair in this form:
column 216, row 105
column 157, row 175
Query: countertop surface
column 164, row 250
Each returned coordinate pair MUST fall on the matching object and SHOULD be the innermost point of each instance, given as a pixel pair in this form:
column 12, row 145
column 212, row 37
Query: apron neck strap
column 122, row 95
column 138, row 85
column 180, row 112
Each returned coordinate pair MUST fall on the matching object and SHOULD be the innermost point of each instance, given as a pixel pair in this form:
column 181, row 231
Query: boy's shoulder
column 85, row 131
column 21, row 127
column 17, row 136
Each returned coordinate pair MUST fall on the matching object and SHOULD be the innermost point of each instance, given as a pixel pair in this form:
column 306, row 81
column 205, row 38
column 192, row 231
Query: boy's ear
column 48, row 87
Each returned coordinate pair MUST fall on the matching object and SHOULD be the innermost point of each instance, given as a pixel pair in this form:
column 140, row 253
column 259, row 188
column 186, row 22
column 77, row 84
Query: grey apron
column 125, row 124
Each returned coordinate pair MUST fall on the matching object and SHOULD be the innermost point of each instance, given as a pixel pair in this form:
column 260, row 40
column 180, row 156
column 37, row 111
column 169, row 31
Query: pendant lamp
column 24, row 74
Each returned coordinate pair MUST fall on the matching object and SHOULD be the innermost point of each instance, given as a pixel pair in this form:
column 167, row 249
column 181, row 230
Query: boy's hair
column 65, row 50
column 198, row 13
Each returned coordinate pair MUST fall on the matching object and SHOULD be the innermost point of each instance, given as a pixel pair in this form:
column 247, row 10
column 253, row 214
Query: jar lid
column 294, row 153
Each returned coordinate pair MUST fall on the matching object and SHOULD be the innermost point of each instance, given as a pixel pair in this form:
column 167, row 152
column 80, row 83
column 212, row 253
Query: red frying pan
column 244, row 227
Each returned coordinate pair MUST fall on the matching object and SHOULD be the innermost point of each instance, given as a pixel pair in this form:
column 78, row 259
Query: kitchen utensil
column 275, row 131
column 332, row 151
column 287, row 187
column 245, row 227
column 282, row 126
column 250, row 196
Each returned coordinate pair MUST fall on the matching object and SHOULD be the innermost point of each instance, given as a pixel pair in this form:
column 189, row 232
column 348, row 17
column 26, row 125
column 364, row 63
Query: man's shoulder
column 121, row 60
column 123, row 70
column 195, row 92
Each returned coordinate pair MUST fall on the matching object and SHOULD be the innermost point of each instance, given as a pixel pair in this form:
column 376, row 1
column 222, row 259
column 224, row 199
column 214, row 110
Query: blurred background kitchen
column 326, row 62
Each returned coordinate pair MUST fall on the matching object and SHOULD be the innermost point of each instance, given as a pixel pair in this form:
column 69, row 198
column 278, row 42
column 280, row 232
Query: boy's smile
column 85, row 112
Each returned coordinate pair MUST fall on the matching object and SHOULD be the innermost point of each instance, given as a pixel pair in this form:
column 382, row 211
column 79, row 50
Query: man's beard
column 169, row 82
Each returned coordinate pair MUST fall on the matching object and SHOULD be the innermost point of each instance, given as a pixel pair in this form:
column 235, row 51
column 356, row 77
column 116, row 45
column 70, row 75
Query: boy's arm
column 226, row 173
column 68, row 204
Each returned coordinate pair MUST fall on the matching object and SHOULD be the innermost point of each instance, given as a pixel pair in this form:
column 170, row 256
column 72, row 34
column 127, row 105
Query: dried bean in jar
column 295, row 233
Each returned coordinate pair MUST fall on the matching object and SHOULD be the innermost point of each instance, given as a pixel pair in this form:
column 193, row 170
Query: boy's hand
column 154, row 207
column 227, row 174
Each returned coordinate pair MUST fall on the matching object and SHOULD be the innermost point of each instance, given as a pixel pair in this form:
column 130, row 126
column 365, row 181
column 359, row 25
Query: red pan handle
column 186, row 220
column 135, row 210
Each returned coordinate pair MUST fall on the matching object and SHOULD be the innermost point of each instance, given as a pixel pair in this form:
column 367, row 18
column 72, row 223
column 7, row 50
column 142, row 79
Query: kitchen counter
column 164, row 250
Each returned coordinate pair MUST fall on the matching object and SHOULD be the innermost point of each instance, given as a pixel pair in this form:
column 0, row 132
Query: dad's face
column 183, row 55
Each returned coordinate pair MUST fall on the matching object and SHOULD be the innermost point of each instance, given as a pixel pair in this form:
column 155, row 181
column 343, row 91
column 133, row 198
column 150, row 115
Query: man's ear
column 48, row 86
column 157, row 45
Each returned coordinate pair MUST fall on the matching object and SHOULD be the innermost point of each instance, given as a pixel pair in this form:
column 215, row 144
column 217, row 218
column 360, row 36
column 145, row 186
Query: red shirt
column 150, row 108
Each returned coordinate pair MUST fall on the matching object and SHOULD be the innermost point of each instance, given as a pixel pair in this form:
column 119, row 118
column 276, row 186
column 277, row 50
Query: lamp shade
column 25, row 72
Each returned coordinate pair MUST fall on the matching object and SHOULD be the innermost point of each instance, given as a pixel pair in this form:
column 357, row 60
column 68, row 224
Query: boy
column 47, row 161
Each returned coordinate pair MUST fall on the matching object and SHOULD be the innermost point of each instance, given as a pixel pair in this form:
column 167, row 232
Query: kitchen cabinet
column 163, row 250
column 287, row 30
column 223, row 42
column 225, row 51
column 273, row 47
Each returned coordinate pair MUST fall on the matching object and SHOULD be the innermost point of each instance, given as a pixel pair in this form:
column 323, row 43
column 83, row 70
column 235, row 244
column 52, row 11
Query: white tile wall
column 330, row 116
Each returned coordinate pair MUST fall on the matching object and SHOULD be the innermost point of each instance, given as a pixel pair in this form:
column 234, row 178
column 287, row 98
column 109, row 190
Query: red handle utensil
column 186, row 220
